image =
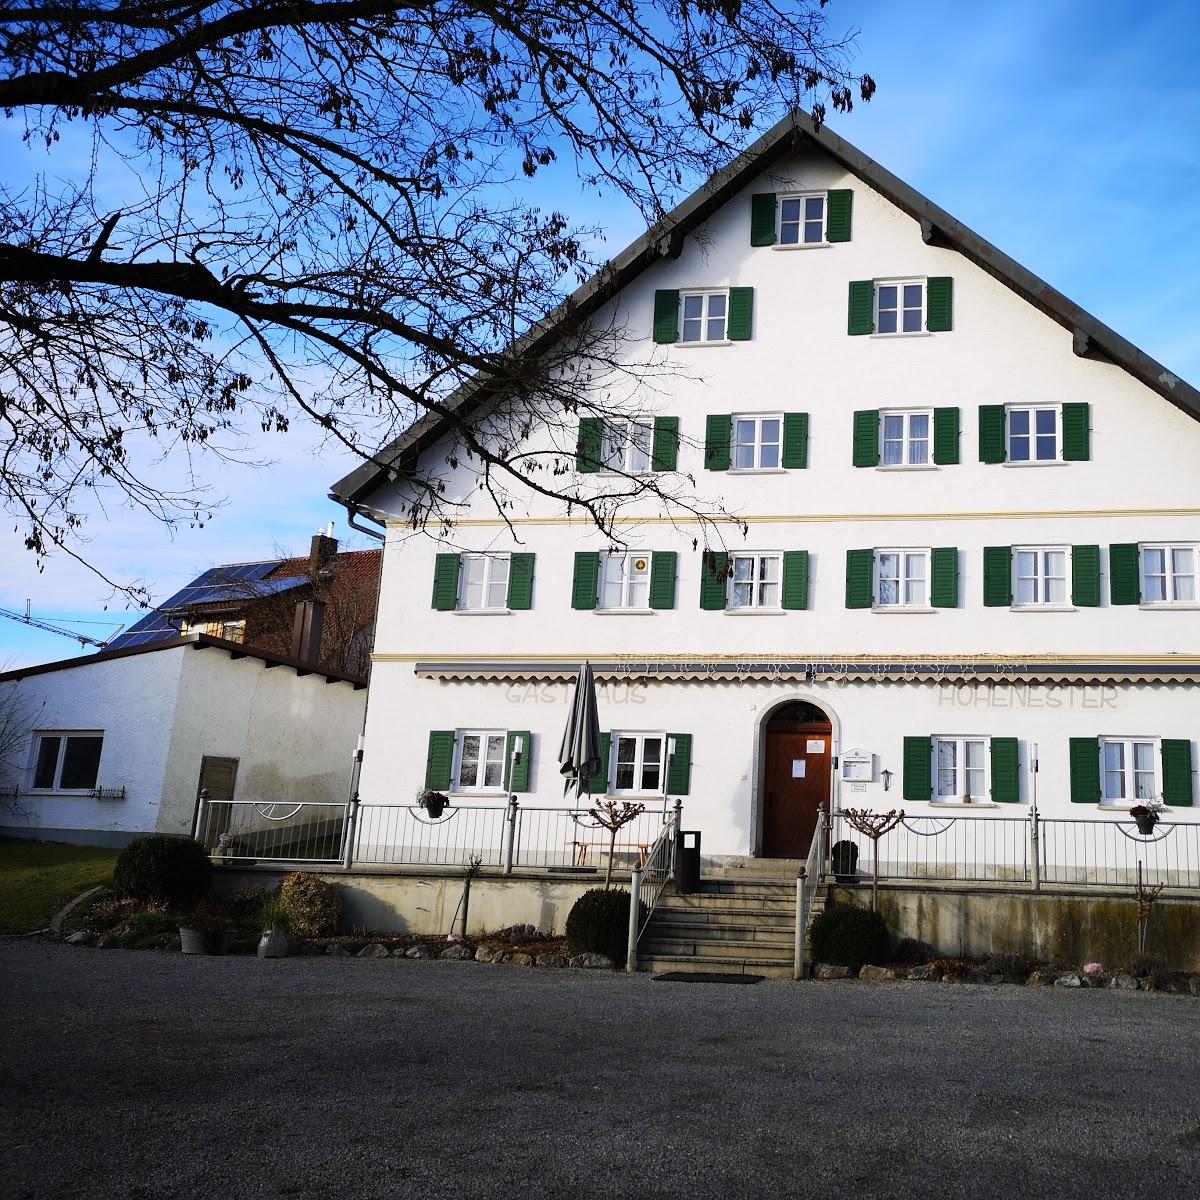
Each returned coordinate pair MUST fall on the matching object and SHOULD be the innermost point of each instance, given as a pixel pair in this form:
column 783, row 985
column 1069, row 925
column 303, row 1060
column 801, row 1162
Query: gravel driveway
column 139, row 1075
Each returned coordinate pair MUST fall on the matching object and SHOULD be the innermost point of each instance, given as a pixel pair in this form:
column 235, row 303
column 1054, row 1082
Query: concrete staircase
column 742, row 921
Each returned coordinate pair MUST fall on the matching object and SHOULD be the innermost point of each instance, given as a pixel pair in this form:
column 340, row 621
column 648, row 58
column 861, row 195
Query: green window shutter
column 1085, row 771
column 918, row 769
column 1006, row 772
column 795, row 579
column 1124, row 574
column 947, row 423
column 866, row 438
column 679, row 765
column 1085, row 576
column 939, row 304
column 741, row 314
column 718, row 430
column 666, row 316
column 860, row 318
column 943, row 591
column 838, row 206
column 713, row 568
column 991, row 433
column 860, row 578
column 664, row 452
column 516, row 779
column 599, row 782
column 662, row 578
column 1177, row 772
column 997, row 576
column 439, row 761
column 586, row 579
column 445, row 582
column 795, row 441
column 520, row 581
column 1076, row 432
column 589, row 448
column 762, row 219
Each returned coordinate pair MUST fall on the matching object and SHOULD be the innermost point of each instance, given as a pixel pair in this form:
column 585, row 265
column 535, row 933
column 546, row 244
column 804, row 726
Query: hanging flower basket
column 1146, row 816
column 434, row 803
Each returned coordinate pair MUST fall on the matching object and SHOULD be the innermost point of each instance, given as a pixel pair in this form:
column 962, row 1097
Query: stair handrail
column 647, row 884
column 808, row 880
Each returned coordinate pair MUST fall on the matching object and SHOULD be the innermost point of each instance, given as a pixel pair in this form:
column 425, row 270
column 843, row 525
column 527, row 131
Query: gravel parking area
column 142, row 1075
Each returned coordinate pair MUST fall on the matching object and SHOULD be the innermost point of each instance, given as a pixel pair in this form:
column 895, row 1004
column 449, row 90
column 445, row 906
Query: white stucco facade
column 455, row 670
column 160, row 713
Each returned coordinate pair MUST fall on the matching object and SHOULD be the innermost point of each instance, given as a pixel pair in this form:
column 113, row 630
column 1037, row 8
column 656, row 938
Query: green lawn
column 38, row 878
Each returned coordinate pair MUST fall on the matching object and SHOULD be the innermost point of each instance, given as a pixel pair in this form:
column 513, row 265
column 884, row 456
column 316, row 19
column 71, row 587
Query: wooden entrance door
column 218, row 777
column 796, row 784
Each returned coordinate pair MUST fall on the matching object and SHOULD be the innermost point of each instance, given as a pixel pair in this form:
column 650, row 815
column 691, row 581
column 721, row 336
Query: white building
column 910, row 425
column 120, row 743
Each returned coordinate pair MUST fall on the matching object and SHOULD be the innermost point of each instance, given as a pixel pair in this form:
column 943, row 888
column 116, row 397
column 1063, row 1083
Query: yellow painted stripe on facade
column 799, row 656
column 822, row 518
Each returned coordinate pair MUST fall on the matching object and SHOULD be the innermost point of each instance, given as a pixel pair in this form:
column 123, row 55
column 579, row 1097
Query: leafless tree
column 332, row 214
column 19, row 716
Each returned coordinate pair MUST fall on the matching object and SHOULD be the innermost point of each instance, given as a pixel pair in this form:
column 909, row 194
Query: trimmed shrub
column 913, row 952
column 246, row 902
column 844, row 857
column 849, row 937
column 1149, row 966
column 313, row 906
column 599, row 923
column 163, row 870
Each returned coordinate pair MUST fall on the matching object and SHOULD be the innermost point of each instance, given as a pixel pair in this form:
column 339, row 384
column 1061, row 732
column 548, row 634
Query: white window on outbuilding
column 66, row 761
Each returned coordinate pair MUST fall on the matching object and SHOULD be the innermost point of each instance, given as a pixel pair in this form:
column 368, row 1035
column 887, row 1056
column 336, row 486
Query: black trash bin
column 687, row 861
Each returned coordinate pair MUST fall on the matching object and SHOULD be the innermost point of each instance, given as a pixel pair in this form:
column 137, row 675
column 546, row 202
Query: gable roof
column 795, row 132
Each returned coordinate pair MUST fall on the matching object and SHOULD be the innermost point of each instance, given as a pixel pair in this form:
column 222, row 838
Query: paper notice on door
column 815, row 746
column 798, row 768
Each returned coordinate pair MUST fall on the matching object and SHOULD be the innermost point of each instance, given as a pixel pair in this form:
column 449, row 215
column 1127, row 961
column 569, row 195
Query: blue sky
column 1066, row 132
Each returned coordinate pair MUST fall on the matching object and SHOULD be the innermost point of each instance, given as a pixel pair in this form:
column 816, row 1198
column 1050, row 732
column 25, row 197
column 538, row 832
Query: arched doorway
column 798, row 753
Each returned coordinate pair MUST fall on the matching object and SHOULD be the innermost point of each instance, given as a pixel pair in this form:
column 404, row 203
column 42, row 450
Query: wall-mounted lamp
column 887, row 780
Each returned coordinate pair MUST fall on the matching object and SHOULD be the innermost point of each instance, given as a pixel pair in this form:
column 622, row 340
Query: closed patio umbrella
column 579, row 754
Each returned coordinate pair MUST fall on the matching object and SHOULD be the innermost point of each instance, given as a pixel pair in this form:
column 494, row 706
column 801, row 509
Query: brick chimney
column 324, row 547
column 307, row 629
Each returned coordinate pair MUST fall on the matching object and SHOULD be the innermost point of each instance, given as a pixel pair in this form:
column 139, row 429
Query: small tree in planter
column 874, row 825
column 608, row 814
column 1146, row 895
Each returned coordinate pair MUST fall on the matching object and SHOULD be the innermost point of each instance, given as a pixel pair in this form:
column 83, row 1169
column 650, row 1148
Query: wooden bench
column 580, row 850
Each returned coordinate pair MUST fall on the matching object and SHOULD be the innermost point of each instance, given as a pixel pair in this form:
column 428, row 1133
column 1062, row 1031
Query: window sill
column 1168, row 606
column 757, row 471
column 75, row 792
column 1042, row 608
column 960, row 804
column 803, row 246
column 911, row 334
column 756, row 612
column 902, row 608
column 480, row 794
column 1034, row 462
column 701, row 345
column 481, row 612
column 907, row 467
column 624, row 612
column 1126, row 807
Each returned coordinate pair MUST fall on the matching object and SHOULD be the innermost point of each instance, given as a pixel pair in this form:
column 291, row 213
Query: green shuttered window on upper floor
column 628, row 444
column 861, row 581
column 1035, row 433
column 658, row 579
column 708, row 315
column 801, row 218
column 904, row 436
column 483, row 582
column 755, row 441
column 894, row 307
column 443, row 761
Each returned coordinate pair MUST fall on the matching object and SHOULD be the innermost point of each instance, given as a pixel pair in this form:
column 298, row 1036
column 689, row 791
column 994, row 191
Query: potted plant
column 1146, row 816
column 434, row 803
column 274, row 940
column 844, row 858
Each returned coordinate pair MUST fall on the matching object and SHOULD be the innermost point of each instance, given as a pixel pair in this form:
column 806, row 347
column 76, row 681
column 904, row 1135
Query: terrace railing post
column 510, row 834
column 198, row 831
column 349, row 826
column 1035, row 856
column 801, row 925
column 635, row 900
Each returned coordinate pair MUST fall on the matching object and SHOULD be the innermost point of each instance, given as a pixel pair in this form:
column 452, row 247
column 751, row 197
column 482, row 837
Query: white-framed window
column 902, row 578
column 1129, row 769
column 960, row 768
column 755, row 580
column 704, row 316
column 66, row 760
column 1032, row 432
column 757, row 442
column 1040, row 576
column 906, row 437
column 484, row 582
column 479, row 760
column 637, row 766
column 627, row 445
column 802, row 220
column 624, row 580
column 1168, row 573
column 900, row 306
column 231, row 629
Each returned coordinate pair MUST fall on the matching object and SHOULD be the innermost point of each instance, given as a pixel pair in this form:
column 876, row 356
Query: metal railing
column 247, row 831
column 1029, row 850
column 807, row 882
column 647, row 883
